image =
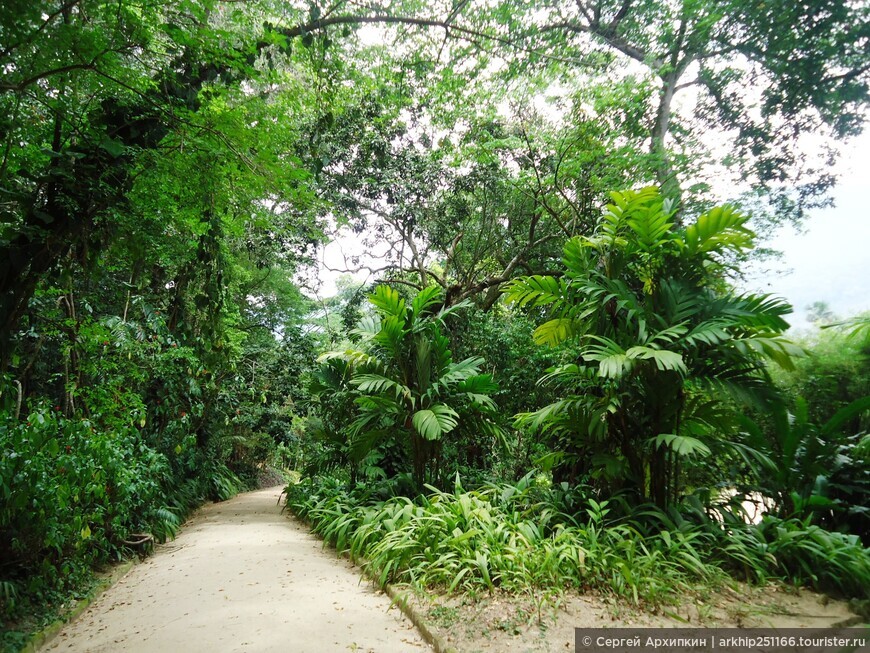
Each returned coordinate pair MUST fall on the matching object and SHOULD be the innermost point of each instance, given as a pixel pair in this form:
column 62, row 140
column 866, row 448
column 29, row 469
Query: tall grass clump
column 508, row 537
column 522, row 536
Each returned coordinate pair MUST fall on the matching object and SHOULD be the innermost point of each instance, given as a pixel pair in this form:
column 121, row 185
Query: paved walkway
column 241, row 577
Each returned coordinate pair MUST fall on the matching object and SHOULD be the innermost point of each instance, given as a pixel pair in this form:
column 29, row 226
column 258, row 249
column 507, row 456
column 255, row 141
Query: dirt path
column 241, row 577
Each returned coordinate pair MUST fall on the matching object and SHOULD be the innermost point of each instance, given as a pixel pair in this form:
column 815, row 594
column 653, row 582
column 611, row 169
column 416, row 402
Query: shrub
column 503, row 536
column 73, row 495
column 528, row 535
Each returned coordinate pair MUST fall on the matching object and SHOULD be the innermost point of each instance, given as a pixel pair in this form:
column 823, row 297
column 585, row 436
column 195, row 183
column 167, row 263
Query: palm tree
column 406, row 381
column 659, row 339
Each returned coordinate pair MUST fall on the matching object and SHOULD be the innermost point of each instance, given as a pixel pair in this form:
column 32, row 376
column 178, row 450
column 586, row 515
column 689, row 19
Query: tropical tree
column 408, row 385
column 469, row 215
column 765, row 73
column 659, row 340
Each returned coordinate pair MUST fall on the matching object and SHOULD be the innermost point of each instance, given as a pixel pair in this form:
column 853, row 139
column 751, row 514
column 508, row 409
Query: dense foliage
column 660, row 360
column 150, row 331
column 169, row 170
column 534, row 534
column 658, row 338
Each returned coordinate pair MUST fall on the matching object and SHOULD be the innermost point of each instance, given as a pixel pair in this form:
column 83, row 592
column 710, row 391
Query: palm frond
column 555, row 332
column 426, row 299
column 479, row 383
column 578, row 257
column 677, row 302
column 719, row 229
column 432, row 423
column 710, row 333
column 368, row 327
column 778, row 349
column 356, row 357
column 392, row 333
column 568, row 373
column 650, row 223
column 551, row 415
column 612, row 359
column 682, row 445
column 460, row 371
column 663, row 358
column 423, row 363
column 377, row 384
column 536, row 290
column 388, row 300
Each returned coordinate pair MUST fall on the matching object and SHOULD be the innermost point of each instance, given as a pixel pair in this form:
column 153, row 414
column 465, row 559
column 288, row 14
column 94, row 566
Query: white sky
column 830, row 260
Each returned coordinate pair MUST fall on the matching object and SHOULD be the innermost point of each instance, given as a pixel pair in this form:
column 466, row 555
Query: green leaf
column 650, row 223
column 377, row 384
column 458, row 372
column 664, row 359
column 368, row 327
column 433, row 423
column 577, row 257
column 425, row 299
column 363, row 439
column 682, row 445
column 536, row 290
column 708, row 333
column 113, row 146
column 556, row 331
column 721, row 228
column 388, row 300
column 478, row 384
column 614, row 366
column 392, row 333
column 845, row 414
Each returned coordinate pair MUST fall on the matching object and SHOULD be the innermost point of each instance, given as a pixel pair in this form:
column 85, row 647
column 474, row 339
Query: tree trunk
column 665, row 174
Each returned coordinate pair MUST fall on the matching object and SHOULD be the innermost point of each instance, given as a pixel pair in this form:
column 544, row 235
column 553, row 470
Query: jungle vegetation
column 550, row 377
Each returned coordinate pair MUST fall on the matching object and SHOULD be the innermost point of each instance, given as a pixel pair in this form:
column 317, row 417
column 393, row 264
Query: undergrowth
column 72, row 499
column 525, row 536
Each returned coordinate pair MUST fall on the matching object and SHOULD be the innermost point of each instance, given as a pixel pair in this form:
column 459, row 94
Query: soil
column 241, row 576
column 545, row 623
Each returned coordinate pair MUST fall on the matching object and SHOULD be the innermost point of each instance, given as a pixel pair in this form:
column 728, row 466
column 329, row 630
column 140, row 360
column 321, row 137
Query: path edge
column 400, row 598
column 42, row 637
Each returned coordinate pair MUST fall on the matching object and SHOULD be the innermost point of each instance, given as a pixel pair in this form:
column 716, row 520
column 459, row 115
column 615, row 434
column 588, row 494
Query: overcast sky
column 830, row 260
